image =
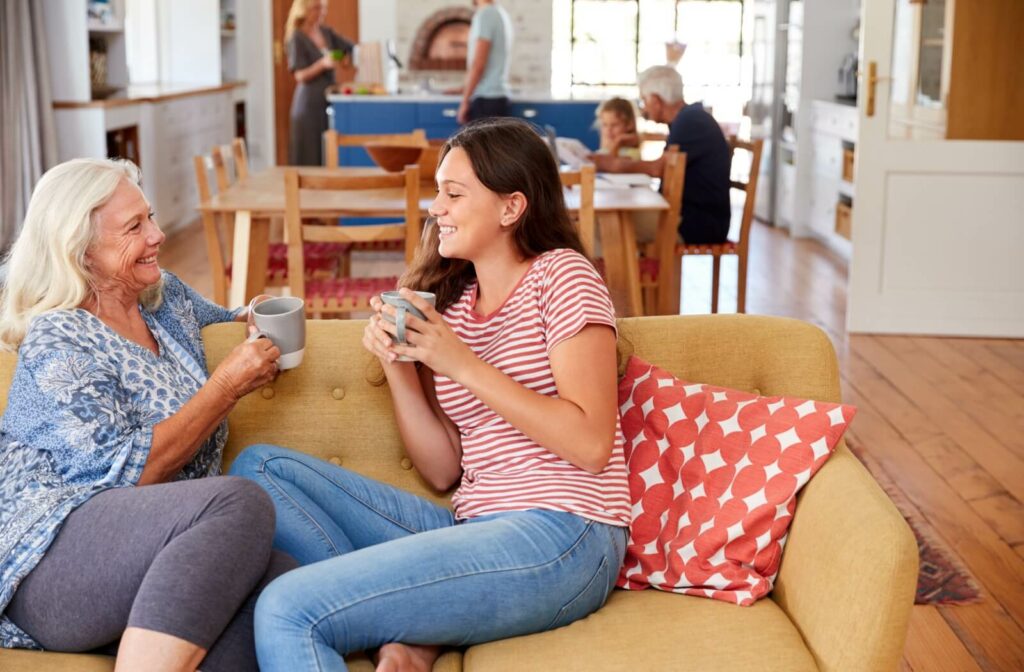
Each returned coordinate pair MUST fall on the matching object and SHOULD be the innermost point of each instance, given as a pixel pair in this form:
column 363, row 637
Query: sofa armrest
column 849, row 570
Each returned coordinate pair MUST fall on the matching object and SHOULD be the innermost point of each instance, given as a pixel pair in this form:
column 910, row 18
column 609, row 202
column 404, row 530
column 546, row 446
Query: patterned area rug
column 941, row 579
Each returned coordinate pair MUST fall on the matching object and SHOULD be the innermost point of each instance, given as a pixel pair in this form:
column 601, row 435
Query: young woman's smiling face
column 469, row 215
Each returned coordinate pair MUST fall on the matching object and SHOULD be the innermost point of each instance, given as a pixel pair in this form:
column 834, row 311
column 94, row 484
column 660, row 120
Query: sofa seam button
column 267, row 393
column 338, row 393
column 406, row 463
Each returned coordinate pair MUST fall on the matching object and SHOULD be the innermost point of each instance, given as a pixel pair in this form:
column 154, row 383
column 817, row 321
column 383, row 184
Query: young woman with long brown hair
column 511, row 394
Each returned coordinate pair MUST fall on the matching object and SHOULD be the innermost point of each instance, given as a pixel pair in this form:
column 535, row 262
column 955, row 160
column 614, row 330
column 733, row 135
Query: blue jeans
column 388, row 566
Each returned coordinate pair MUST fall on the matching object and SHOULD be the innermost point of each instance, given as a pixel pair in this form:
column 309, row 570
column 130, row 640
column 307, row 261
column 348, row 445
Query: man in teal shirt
column 486, row 92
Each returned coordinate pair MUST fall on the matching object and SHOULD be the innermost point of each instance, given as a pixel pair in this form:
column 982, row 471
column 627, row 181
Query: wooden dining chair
column 662, row 249
column 333, row 296
column 241, row 155
column 216, row 232
column 650, row 268
column 586, row 220
column 218, row 229
column 334, row 140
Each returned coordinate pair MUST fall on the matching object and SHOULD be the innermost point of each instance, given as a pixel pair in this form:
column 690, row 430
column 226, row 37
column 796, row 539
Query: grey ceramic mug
column 403, row 308
column 283, row 321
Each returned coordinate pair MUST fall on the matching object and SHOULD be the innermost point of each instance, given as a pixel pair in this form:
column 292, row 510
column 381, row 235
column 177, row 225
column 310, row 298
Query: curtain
column 28, row 141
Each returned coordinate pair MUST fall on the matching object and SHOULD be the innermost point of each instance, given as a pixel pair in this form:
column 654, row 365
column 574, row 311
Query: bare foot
column 398, row 657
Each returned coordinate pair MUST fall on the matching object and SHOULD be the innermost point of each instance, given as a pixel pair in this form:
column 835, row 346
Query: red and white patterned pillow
column 713, row 477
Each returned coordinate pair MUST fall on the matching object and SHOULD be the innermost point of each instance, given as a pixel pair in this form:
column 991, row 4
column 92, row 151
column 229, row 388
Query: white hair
column 662, row 81
column 47, row 268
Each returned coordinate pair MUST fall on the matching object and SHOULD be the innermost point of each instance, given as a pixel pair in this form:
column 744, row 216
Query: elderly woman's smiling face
column 124, row 252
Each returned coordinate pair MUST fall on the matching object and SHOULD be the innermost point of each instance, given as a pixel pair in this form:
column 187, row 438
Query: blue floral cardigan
column 80, row 417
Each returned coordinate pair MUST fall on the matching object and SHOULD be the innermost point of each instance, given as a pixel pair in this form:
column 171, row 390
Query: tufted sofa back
column 332, row 406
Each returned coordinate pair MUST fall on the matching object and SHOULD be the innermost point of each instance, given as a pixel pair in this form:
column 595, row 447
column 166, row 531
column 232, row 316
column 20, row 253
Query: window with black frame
column 608, row 41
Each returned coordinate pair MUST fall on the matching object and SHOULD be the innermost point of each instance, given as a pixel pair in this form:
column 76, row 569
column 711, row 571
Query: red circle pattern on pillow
column 713, row 478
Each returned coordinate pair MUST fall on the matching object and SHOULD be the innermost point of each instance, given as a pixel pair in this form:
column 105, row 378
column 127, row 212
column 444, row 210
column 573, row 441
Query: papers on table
column 623, row 180
column 571, row 152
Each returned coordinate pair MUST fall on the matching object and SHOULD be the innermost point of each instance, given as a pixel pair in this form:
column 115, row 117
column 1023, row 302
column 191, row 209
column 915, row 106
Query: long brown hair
column 507, row 156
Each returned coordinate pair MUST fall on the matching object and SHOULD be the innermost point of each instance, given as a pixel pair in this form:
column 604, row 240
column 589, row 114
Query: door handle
column 870, row 84
column 278, row 52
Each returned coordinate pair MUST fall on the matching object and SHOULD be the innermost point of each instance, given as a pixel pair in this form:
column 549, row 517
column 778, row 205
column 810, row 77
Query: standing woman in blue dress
column 111, row 392
column 310, row 43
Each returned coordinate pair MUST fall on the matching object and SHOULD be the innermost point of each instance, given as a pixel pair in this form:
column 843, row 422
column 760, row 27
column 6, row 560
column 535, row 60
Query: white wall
column 142, row 42
column 254, row 40
column 69, row 73
column 190, row 42
column 378, row 20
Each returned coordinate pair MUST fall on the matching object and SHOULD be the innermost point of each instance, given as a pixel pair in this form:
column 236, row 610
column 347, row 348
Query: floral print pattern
column 81, row 410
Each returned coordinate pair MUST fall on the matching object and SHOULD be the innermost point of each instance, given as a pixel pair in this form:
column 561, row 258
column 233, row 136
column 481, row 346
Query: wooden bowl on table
column 428, row 159
column 392, row 157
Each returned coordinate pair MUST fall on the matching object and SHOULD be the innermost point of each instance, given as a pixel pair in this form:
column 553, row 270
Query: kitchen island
column 435, row 113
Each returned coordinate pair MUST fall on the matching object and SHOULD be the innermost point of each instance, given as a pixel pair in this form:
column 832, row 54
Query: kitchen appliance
column 847, row 79
column 776, row 49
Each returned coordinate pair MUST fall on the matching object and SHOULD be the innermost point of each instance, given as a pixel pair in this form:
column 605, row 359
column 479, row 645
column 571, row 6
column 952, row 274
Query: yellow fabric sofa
column 844, row 592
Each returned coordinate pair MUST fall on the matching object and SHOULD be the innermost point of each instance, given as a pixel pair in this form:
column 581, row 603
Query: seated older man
column 705, row 207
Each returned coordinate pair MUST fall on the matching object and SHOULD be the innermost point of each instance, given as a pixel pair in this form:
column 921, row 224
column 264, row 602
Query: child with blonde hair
column 616, row 119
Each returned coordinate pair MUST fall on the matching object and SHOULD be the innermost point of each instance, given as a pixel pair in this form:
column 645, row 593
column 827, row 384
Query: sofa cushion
column 335, row 406
column 713, row 476
column 14, row 660
column 651, row 630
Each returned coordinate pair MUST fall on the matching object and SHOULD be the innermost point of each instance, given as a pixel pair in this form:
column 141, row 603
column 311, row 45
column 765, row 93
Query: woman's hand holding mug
column 425, row 336
column 250, row 365
column 375, row 339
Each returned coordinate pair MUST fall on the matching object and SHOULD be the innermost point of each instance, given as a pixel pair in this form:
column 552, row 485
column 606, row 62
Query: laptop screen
column 551, row 135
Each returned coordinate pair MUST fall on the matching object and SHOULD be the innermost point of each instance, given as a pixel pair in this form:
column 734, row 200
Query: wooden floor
column 942, row 417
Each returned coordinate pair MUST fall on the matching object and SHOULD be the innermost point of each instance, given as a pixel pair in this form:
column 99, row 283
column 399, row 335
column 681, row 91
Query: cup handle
column 255, row 336
column 400, row 325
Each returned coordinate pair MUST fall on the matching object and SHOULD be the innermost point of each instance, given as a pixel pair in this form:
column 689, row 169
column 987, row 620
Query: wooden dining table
column 254, row 200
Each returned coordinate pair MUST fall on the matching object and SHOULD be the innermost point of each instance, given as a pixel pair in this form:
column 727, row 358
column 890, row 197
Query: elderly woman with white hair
column 110, row 393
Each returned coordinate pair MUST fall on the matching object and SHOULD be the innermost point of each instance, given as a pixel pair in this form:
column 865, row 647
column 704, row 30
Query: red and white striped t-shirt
column 503, row 469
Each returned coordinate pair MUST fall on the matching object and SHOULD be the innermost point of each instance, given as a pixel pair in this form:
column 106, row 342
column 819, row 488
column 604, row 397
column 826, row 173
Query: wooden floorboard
column 1002, row 463
column 932, row 645
column 943, row 418
column 985, row 397
column 985, row 353
column 987, row 630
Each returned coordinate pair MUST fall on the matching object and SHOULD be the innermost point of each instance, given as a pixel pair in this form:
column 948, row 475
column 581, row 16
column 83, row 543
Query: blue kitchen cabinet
column 569, row 119
column 365, row 116
column 572, row 119
column 437, row 119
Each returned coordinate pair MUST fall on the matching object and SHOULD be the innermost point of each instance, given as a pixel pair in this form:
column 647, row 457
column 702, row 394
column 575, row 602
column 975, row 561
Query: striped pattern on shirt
column 503, row 469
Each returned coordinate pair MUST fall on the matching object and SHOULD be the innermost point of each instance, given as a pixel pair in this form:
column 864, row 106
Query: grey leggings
column 186, row 559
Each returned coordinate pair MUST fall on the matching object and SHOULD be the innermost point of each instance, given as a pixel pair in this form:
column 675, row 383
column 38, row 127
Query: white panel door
column 938, row 225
